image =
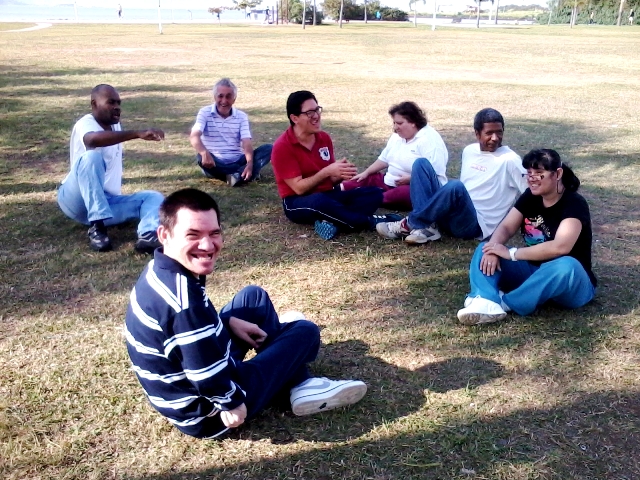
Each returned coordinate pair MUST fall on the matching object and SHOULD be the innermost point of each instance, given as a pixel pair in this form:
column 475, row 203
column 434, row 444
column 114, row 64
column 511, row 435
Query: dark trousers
column 279, row 364
column 261, row 157
column 350, row 211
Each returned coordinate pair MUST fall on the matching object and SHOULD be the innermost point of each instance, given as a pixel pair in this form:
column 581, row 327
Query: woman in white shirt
column 412, row 139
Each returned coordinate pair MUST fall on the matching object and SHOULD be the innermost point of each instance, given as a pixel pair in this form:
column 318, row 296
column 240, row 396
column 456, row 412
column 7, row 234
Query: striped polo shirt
column 179, row 347
column 221, row 136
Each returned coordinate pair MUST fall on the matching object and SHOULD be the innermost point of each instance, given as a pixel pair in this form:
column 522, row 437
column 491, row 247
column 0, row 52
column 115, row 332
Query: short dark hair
column 295, row 101
column 411, row 112
column 189, row 198
column 487, row 115
column 99, row 90
column 549, row 160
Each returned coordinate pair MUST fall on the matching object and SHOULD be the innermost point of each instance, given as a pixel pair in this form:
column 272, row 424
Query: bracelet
column 512, row 253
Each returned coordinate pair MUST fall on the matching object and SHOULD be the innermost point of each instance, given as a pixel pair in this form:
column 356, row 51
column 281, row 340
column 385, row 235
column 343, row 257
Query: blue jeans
column 279, row 364
column 350, row 210
column 82, row 198
column 449, row 205
column 261, row 157
column 562, row 280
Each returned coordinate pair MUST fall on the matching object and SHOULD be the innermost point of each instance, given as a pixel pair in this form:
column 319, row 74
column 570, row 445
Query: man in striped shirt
column 189, row 359
column 222, row 139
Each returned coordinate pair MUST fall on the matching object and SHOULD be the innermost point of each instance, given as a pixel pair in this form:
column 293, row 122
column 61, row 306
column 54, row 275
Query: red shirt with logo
column 291, row 159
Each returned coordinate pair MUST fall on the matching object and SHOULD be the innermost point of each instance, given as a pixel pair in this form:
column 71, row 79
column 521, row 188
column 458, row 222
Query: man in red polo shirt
column 306, row 172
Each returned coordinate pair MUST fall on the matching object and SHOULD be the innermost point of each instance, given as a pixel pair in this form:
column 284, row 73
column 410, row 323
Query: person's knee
column 456, row 186
column 308, row 332
column 90, row 161
column 253, row 291
column 563, row 267
column 422, row 164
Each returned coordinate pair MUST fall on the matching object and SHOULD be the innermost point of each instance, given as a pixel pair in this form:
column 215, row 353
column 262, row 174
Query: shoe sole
column 325, row 231
column 341, row 396
column 480, row 318
column 421, row 240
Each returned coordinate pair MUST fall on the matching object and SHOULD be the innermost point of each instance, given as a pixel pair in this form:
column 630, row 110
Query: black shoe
column 147, row 243
column 389, row 217
column 98, row 239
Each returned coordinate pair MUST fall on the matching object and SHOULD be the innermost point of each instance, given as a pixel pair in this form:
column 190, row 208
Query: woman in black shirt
column 556, row 263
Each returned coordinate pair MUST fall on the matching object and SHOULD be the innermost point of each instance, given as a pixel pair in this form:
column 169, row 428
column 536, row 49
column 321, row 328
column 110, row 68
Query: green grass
column 553, row 395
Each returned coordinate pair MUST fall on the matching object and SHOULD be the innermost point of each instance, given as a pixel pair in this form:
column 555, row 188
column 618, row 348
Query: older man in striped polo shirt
column 222, row 139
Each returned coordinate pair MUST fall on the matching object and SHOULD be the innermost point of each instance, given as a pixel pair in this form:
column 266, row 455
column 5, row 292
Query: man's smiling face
column 195, row 241
column 224, row 98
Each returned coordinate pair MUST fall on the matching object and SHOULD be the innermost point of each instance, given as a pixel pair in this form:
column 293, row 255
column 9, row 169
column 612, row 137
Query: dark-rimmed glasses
column 313, row 113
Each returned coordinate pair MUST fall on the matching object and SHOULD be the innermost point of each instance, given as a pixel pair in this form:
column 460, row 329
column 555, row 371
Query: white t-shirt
column 494, row 181
column 112, row 155
column 400, row 154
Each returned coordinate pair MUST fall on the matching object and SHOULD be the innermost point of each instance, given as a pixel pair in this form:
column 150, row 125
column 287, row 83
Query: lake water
column 67, row 13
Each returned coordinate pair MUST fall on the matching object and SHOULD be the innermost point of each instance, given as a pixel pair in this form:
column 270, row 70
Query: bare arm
column 247, row 149
column 196, row 143
column 564, row 241
column 107, row 138
column 337, row 171
column 375, row 167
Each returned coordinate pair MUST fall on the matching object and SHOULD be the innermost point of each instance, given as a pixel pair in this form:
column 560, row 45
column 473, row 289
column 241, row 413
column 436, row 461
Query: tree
column 244, row 4
column 216, row 11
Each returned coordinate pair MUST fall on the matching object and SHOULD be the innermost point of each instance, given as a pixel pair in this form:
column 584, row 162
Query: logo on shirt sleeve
column 324, row 154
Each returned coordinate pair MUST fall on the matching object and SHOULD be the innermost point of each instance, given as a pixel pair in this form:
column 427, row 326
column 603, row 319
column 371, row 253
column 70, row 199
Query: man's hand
column 207, row 160
column 153, row 134
column 246, row 173
column 234, row 418
column 247, row 332
column 343, row 169
column 403, row 180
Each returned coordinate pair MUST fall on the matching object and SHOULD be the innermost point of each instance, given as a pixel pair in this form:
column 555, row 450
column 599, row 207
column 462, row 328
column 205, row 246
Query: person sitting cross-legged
column 190, row 360
column 307, row 175
column 91, row 192
column 222, row 140
column 472, row 207
column 555, row 264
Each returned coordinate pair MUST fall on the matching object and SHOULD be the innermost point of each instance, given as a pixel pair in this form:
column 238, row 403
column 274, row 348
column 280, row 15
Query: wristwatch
column 512, row 253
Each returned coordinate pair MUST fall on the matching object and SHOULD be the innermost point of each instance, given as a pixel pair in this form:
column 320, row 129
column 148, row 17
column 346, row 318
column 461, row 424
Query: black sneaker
column 147, row 243
column 98, row 239
column 388, row 218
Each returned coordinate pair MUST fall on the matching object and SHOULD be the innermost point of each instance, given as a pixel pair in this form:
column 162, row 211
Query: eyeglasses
column 536, row 177
column 313, row 113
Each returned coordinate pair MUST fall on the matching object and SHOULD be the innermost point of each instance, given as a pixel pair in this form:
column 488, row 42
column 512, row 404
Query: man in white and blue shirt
column 190, row 360
column 222, row 139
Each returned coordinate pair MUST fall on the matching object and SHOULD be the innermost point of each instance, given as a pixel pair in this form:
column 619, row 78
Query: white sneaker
column 291, row 316
column 319, row 394
column 479, row 310
column 423, row 235
column 393, row 229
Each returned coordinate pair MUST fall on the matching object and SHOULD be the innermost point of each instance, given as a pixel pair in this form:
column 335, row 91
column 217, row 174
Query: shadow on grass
column 592, row 436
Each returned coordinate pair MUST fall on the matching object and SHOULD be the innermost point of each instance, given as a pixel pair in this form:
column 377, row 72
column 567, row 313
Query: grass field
column 550, row 396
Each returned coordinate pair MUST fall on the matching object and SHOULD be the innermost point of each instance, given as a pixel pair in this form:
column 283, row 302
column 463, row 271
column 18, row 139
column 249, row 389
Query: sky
column 204, row 4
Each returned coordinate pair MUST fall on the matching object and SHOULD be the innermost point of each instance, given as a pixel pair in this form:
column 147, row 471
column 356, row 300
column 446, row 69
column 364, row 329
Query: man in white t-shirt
column 91, row 192
column 222, row 139
column 491, row 179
